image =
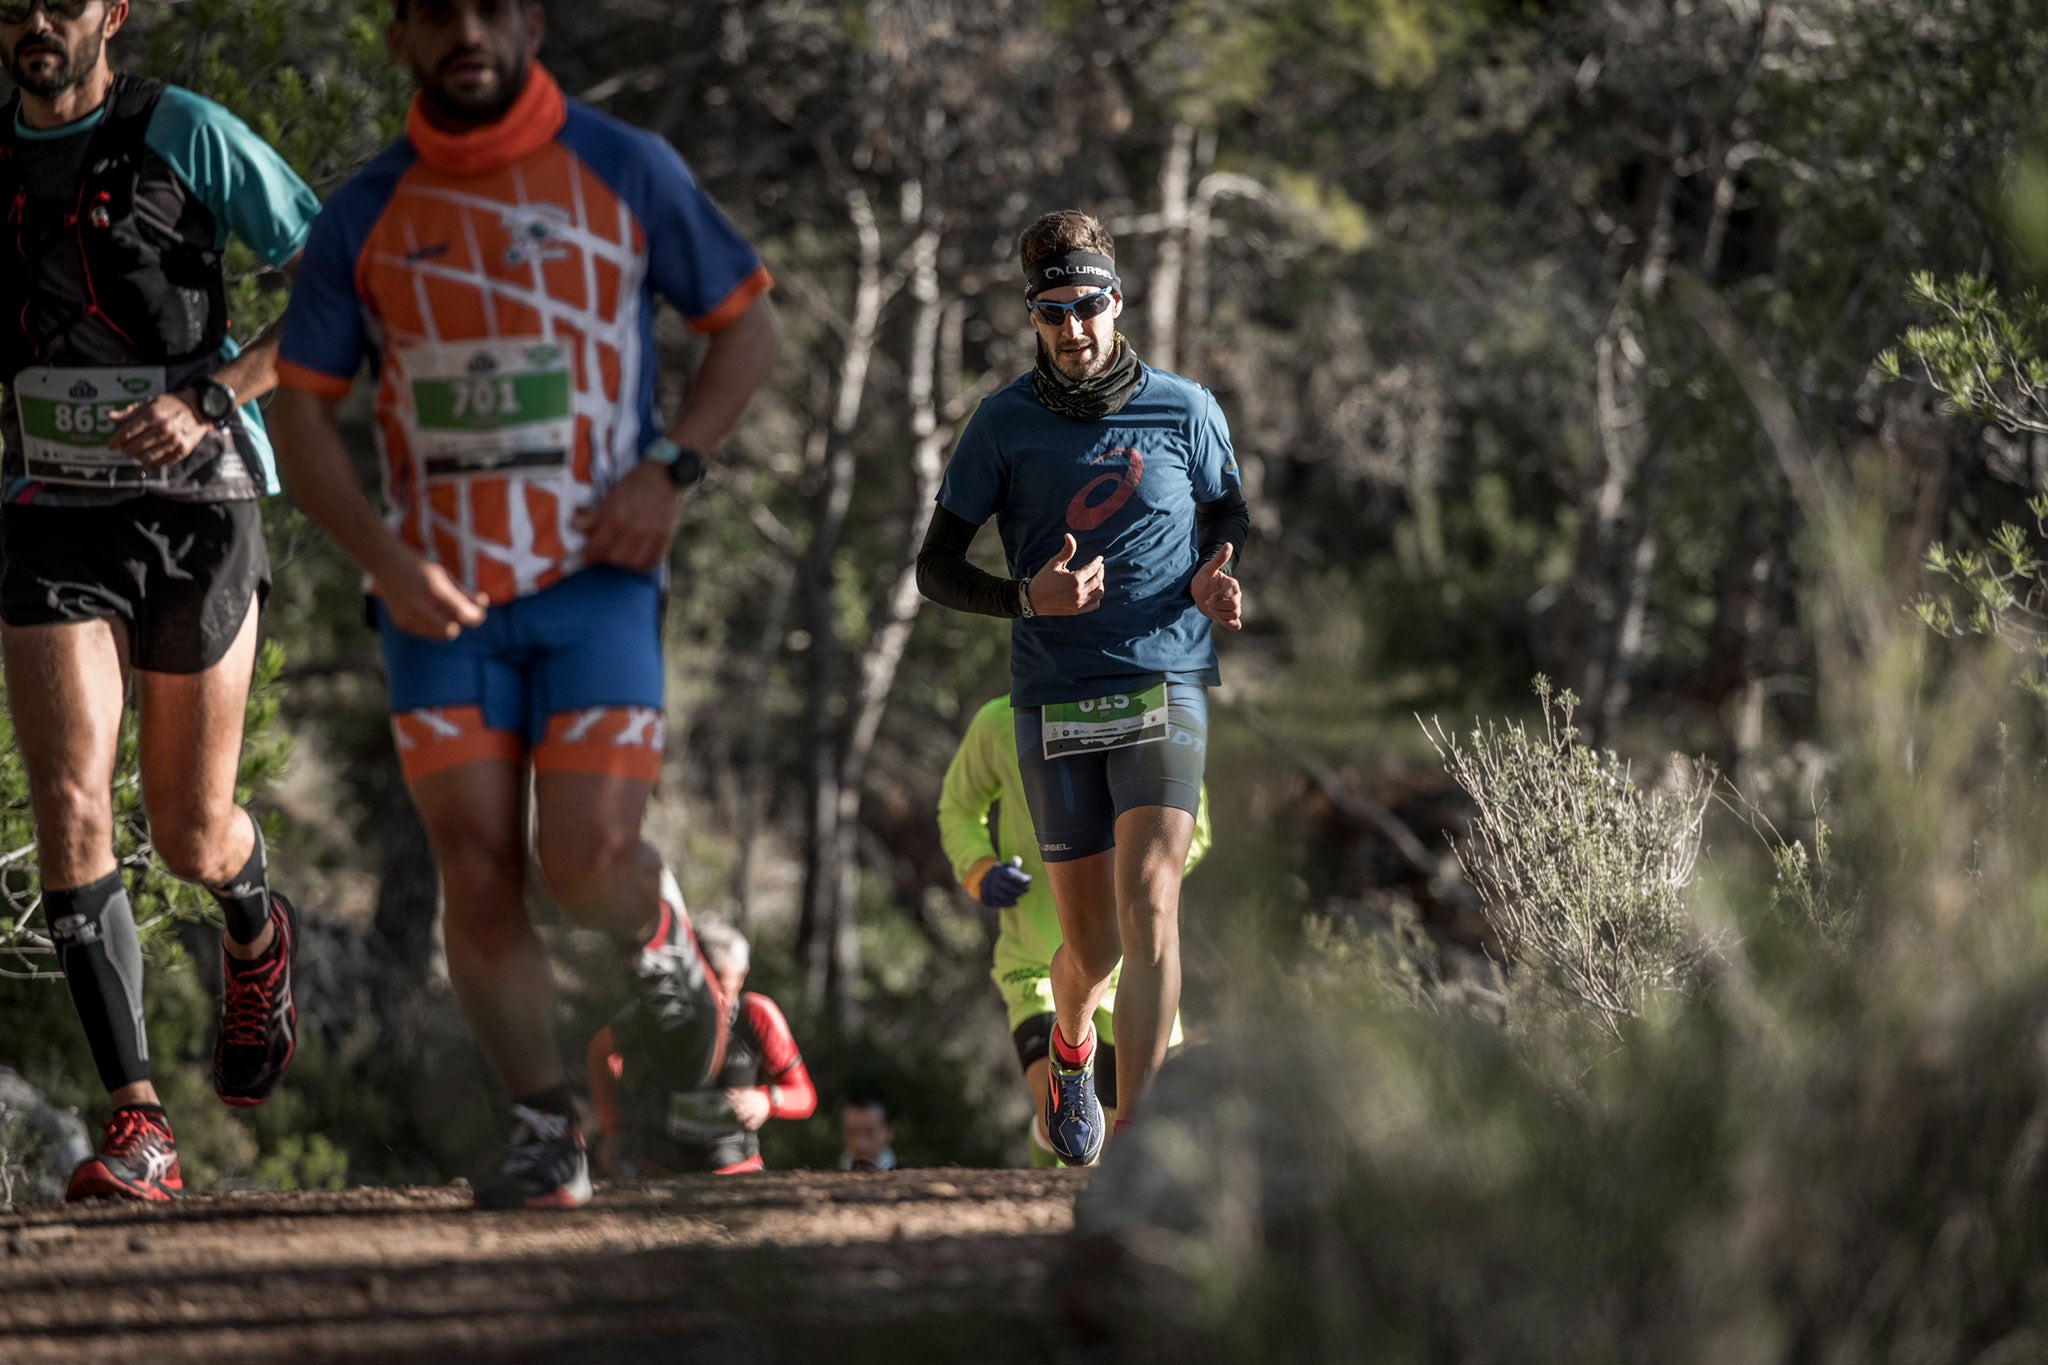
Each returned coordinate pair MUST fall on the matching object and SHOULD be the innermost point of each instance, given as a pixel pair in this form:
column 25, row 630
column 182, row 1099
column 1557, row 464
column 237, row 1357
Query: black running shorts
column 179, row 574
column 1075, row 800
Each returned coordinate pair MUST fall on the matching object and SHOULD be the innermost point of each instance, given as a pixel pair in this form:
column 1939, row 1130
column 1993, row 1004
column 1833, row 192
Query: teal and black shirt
column 118, row 223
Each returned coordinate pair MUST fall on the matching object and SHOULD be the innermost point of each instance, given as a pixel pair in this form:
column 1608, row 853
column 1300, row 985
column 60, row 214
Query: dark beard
column 476, row 115
column 69, row 71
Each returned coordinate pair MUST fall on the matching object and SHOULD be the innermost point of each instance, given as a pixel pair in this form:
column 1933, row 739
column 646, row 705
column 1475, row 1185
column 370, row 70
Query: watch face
column 687, row 468
column 216, row 401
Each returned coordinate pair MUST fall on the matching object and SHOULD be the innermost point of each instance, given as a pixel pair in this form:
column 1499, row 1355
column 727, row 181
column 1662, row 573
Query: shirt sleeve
column 778, row 1045
column 977, row 480
column 325, row 337
column 696, row 258
column 974, row 781
column 250, row 190
column 1215, row 464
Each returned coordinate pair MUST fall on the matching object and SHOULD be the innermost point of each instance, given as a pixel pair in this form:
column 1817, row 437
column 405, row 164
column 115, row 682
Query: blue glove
column 1003, row 883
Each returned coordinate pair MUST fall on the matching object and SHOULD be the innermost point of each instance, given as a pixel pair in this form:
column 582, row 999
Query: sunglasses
column 18, row 11
column 1087, row 306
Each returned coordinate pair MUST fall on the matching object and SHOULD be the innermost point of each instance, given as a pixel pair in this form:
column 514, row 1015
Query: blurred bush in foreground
column 1834, row 1146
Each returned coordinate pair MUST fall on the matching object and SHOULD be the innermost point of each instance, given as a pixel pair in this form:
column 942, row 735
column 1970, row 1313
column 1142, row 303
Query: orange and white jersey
column 503, row 284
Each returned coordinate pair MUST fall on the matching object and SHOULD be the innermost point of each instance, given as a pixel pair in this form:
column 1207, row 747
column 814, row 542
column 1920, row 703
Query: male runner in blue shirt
column 1116, row 495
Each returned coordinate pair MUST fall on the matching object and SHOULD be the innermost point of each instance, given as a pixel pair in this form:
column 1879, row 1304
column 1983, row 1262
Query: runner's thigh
column 191, row 731
column 455, row 702
column 597, row 695
column 1167, row 772
column 1071, row 805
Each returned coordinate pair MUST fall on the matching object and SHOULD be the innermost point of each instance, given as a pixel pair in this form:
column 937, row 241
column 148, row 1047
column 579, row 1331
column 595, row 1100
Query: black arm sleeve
column 945, row 576
column 1224, row 521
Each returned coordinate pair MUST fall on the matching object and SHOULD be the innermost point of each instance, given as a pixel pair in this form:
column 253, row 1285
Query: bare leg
column 1084, row 891
column 64, row 691
column 1152, row 852
column 475, row 816
column 191, row 750
column 591, row 853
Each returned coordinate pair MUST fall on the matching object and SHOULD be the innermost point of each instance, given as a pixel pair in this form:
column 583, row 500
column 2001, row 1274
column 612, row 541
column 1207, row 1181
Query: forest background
column 1554, row 339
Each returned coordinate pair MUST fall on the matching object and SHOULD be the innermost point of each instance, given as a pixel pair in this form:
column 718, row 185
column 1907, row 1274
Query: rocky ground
column 905, row 1266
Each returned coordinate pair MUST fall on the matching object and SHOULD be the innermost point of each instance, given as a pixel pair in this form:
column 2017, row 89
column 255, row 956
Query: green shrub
column 1581, row 871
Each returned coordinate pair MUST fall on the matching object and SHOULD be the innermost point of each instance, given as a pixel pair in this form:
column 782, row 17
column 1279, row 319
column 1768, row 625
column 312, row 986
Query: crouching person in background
column 647, row 1127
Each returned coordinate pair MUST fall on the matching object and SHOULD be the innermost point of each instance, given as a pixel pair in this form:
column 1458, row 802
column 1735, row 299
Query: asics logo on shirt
column 1084, row 514
column 427, row 253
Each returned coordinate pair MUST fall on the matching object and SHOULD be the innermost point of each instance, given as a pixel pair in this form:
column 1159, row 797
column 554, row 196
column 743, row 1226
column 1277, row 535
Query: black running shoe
column 548, row 1167
column 259, row 1024
column 137, row 1159
column 677, row 1022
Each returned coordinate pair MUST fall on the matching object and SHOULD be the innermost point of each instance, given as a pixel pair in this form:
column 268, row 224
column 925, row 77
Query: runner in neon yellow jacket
column 1000, row 867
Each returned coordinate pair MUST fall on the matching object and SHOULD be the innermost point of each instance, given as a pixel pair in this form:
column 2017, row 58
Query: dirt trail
column 906, row 1266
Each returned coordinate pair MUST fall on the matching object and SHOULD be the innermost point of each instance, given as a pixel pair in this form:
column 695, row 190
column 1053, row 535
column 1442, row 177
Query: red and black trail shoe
column 259, row 1024
column 137, row 1159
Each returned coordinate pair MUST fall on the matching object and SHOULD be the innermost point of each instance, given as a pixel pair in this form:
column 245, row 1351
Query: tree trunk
column 1617, row 551
column 891, row 637
column 1162, row 307
column 824, row 845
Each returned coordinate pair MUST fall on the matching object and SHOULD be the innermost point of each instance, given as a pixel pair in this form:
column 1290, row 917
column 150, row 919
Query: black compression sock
column 245, row 900
column 553, row 1100
column 101, row 956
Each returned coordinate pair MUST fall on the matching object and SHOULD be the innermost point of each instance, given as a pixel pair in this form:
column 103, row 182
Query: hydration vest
column 115, row 264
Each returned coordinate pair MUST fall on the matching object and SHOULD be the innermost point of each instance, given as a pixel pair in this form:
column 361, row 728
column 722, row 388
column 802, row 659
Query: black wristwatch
column 685, row 466
column 216, row 401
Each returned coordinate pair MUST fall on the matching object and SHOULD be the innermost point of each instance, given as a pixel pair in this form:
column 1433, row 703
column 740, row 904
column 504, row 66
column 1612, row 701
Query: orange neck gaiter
column 536, row 116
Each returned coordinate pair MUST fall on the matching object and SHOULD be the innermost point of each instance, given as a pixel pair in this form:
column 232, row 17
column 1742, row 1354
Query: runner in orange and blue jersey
column 499, row 269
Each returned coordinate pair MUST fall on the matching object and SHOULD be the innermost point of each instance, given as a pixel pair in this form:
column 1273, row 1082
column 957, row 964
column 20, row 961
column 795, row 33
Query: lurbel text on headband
column 1072, row 267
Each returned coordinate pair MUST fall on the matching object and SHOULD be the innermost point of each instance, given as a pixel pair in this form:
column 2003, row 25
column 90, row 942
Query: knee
column 1096, row 952
column 483, row 895
column 584, row 870
column 1151, row 932
column 74, row 814
column 196, row 851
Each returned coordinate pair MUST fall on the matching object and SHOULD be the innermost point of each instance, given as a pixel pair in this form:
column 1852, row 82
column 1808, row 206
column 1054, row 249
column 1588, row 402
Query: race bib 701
column 488, row 407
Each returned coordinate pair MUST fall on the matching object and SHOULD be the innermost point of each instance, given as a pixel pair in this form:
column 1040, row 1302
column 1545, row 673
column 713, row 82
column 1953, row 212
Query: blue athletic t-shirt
column 1126, row 487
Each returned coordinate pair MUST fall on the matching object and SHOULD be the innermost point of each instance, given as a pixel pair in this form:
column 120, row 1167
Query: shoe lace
column 537, row 1139
column 245, row 1014
column 129, row 1131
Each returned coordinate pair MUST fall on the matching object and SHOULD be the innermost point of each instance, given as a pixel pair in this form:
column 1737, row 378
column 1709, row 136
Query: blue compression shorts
column 570, row 675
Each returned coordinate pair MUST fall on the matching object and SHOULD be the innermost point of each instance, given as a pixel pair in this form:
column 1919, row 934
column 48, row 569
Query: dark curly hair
column 1063, row 230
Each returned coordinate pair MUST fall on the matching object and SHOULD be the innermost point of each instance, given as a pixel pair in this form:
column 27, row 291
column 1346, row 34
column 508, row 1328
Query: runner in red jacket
column 649, row 1128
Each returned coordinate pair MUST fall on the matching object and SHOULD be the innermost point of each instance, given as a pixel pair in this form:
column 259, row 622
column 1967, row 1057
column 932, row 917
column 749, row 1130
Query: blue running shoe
column 1073, row 1116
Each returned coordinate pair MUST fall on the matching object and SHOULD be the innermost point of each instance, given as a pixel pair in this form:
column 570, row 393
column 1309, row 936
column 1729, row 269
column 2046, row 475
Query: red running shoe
column 137, row 1159
column 259, row 1025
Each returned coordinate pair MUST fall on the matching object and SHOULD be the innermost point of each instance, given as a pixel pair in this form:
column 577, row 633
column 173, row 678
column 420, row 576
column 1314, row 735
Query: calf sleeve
column 100, row 952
